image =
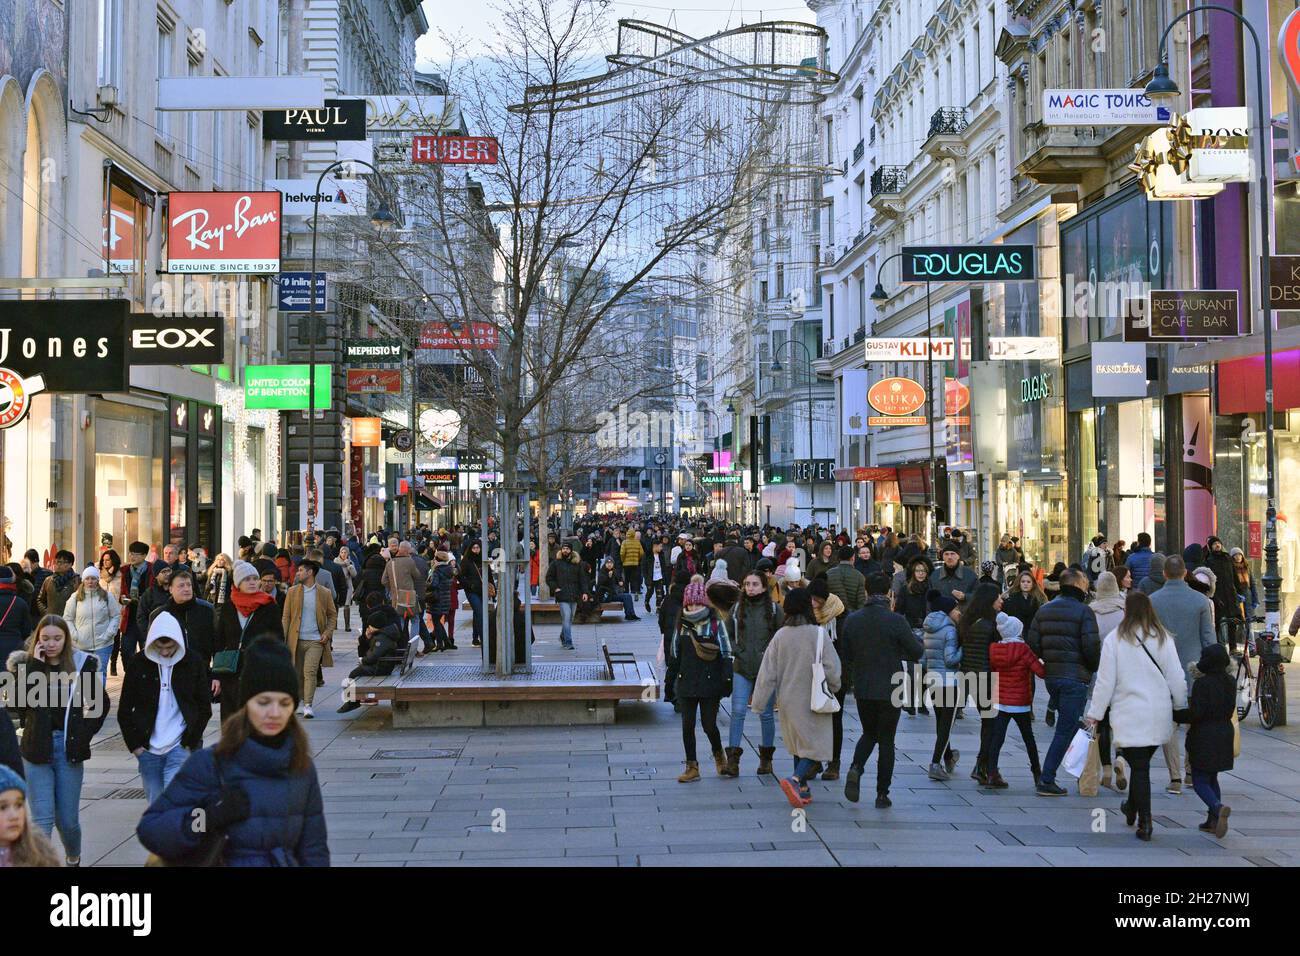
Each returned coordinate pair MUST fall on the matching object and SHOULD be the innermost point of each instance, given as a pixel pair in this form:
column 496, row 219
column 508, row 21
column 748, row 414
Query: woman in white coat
column 93, row 615
column 1142, row 683
column 786, row 673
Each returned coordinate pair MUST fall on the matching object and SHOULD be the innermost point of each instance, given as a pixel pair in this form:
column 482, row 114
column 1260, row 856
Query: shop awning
column 1241, row 383
column 425, row 502
column 866, row 474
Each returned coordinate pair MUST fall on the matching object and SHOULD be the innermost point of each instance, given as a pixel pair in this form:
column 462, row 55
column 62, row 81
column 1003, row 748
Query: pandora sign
column 218, row 232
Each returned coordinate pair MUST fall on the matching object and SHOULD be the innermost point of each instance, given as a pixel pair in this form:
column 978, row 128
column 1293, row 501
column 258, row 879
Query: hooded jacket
column 79, row 716
column 165, row 701
column 1015, row 665
column 753, row 632
column 942, row 651
column 437, row 597
column 1155, row 577
column 568, row 579
column 198, row 620
column 1225, row 584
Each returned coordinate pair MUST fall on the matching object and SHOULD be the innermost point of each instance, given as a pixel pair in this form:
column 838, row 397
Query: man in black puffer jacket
column 1064, row 634
column 567, row 580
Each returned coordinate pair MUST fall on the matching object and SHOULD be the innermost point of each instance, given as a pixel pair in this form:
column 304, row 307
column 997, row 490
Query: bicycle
column 1263, row 683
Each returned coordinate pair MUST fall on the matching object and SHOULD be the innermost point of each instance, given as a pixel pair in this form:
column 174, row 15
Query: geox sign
column 336, row 120
column 175, row 340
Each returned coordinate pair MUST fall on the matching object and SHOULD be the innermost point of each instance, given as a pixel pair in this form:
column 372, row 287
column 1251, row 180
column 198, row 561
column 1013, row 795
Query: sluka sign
column 223, row 232
column 1001, row 263
column 896, row 399
column 284, row 387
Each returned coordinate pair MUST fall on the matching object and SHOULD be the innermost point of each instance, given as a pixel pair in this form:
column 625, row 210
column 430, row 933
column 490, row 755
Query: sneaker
column 883, row 802
column 1051, row 717
column 1175, row 786
column 950, row 761
column 301, row 709
column 790, row 787
column 1121, row 775
column 852, row 780
column 1049, row 790
column 73, row 861
column 308, row 713
column 348, row 707
column 938, row 773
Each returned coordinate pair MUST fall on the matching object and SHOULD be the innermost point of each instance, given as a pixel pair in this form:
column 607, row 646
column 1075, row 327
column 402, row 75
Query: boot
column 1221, row 821
column 692, row 772
column 1211, row 822
column 720, row 761
column 733, row 762
column 1144, row 827
column 765, row 755
column 996, row 781
column 816, row 769
column 1106, row 775
column 980, row 774
column 832, row 771
column 1130, row 813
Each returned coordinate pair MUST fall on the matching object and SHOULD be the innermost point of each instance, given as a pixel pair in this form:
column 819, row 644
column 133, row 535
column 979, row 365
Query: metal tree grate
column 474, row 673
column 127, row 793
column 428, row 754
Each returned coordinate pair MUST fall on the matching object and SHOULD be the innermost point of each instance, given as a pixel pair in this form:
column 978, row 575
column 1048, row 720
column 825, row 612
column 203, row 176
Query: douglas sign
column 1000, row 263
column 223, row 232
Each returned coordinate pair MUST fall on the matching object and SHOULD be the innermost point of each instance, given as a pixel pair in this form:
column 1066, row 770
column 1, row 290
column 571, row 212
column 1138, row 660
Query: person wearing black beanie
column 1211, row 738
column 257, row 786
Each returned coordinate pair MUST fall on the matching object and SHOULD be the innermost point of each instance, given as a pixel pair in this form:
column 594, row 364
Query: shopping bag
column 823, row 701
column 1076, row 755
column 1090, row 779
column 1236, row 734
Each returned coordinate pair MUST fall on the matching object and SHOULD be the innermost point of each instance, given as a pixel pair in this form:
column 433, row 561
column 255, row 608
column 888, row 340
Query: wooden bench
column 402, row 664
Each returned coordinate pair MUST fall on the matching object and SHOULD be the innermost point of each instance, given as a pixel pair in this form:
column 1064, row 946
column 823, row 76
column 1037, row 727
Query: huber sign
column 1181, row 314
column 223, row 232
column 284, row 387
column 454, row 150
column 999, row 263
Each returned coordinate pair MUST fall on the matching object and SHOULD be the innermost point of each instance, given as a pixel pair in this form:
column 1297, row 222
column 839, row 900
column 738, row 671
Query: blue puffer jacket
column 942, row 652
column 286, row 826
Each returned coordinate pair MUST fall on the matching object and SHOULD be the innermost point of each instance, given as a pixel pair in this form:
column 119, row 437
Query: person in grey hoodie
column 1155, row 577
column 1189, row 616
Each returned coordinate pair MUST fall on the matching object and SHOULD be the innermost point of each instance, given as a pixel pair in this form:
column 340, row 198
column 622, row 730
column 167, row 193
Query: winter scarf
column 246, row 604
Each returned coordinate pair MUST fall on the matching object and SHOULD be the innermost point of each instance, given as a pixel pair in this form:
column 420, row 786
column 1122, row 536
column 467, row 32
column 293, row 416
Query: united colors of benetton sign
column 999, row 263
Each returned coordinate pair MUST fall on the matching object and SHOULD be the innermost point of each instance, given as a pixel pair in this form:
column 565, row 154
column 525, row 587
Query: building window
column 166, row 44
column 780, row 280
column 192, row 116
column 108, row 50
column 762, row 291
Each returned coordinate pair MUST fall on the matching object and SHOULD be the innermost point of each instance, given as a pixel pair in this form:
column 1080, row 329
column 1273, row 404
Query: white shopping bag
column 1076, row 756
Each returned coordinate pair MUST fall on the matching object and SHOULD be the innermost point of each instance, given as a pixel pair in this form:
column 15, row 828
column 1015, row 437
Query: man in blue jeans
column 1064, row 634
column 567, row 579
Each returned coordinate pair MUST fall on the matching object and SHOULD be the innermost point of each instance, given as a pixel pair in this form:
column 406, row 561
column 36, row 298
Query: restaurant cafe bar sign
column 1180, row 315
column 995, row 263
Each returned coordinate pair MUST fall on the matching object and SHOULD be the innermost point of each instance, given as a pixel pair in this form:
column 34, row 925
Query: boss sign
column 454, row 150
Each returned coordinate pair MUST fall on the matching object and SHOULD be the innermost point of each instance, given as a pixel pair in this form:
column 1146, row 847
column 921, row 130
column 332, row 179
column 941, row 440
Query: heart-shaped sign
column 439, row 426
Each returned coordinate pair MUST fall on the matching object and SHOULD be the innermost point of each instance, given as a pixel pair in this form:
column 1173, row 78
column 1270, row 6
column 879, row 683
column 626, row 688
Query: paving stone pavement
column 608, row 796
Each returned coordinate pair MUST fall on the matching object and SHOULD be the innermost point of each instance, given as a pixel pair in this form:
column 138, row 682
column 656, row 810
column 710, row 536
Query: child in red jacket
column 1015, row 666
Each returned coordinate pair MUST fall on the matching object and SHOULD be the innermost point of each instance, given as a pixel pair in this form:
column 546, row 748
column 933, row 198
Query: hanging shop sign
column 336, row 120
column 223, row 232
column 1036, row 388
column 720, row 462
column 1101, row 108
column 454, row 150
column 1163, row 170
column 120, row 233
column 439, row 426
column 896, row 399
column 455, row 379
column 239, row 92
column 468, row 335
column 336, row 197
column 441, row 477
column 1180, row 315
column 720, row 479
column 914, row 483
column 295, row 292
column 996, row 263
column 471, row 460
column 175, row 339
column 1024, row 348
column 865, row 474
column 1213, row 143
column 854, row 412
column 956, row 399
column 374, row 381
column 813, row 470
column 16, row 396
column 1119, row 370
column 1284, row 282
column 372, row 352
column 917, row 349
column 403, row 440
column 1288, row 49
column 33, row 342
column 367, row 432
column 410, row 114
column 284, row 387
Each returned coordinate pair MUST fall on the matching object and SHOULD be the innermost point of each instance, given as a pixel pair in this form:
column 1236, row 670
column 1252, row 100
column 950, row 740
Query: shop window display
column 128, row 472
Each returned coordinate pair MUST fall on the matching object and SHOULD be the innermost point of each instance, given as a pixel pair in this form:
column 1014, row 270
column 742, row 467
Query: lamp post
column 776, row 368
column 1163, row 87
column 878, row 294
column 382, row 219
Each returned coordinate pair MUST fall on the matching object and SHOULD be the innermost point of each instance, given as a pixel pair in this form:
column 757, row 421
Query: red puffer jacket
column 1015, row 664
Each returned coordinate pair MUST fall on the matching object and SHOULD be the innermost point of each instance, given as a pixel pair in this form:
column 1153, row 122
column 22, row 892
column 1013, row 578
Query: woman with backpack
column 786, row 676
column 700, row 651
column 756, row 621
column 1142, row 683
column 57, row 734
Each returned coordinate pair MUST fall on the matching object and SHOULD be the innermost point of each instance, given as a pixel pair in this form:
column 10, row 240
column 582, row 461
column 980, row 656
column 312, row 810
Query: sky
column 698, row 18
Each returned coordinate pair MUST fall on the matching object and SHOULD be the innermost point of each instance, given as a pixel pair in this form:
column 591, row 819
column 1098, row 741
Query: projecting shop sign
column 997, row 263
column 217, row 232
column 1101, row 108
column 296, row 292
column 917, row 349
column 75, row 345
column 370, row 352
column 175, row 340
column 1179, row 315
column 1119, row 370
column 336, row 120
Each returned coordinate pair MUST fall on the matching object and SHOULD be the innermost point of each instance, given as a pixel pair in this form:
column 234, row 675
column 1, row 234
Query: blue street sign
column 295, row 292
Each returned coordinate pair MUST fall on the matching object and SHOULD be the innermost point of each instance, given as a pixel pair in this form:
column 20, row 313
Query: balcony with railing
column 1062, row 155
column 888, row 180
column 859, row 151
column 944, row 141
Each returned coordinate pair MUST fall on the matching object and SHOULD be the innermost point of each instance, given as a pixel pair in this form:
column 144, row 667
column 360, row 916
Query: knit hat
column 988, row 567
column 1214, row 659
column 1209, row 543
column 1107, row 584
column 1010, row 627
column 90, row 572
column 243, row 570
column 722, row 594
column 267, row 666
column 1206, row 576
column 949, row 547
column 938, row 601
column 819, row 588
column 694, row 594
column 719, row 572
column 1236, row 551
column 10, row 780
column 791, row 572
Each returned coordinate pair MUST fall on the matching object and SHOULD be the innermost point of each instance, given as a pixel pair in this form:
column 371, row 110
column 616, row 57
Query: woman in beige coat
column 786, row 673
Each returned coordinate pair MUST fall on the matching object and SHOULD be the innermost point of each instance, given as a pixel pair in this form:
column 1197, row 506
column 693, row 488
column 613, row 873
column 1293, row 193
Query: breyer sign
column 223, row 232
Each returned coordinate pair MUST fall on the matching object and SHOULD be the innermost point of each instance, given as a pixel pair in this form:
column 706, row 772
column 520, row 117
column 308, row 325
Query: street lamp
column 1163, row 87
column 382, row 219
column 878, row 294
column 776, row 367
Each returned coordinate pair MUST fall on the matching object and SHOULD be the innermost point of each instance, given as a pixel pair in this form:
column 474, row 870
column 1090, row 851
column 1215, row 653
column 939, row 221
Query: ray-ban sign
column 454, row 150
column 997, row 263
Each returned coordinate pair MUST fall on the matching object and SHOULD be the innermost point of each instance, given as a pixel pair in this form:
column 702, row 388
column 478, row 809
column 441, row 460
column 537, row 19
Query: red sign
column 119, row 233
column 896, row 399
column 886, row 493
column 454, row 150
column 471, row 335
column 956, row 396
column 1254, row 539
column 223, row 232
column 367, row 381
column 913, row 481
column 866, row 474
